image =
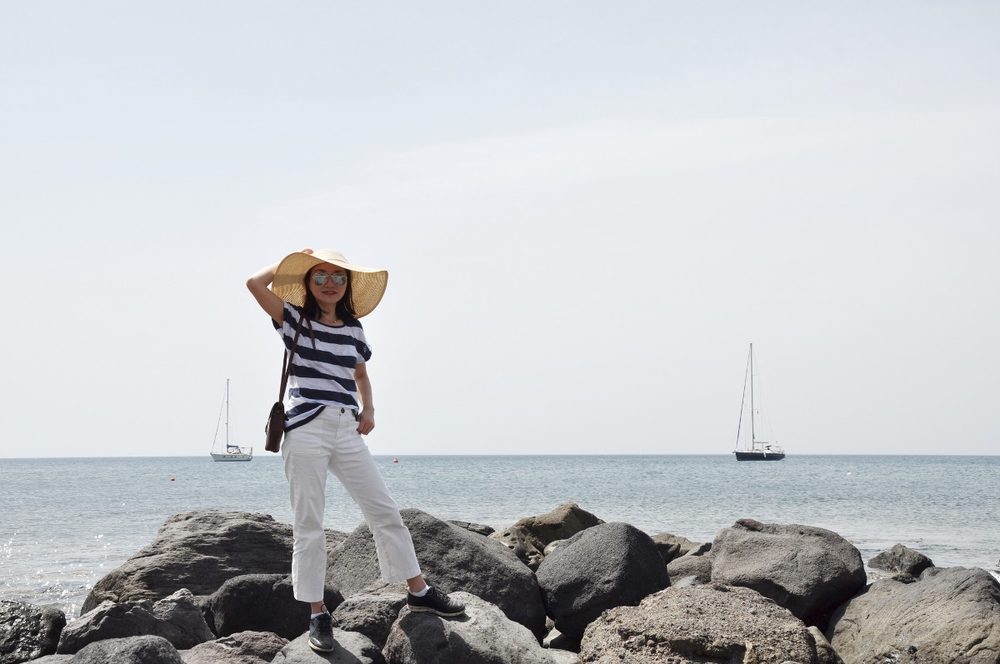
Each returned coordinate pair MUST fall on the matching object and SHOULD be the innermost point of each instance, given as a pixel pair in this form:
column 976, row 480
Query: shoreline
column 70, row 600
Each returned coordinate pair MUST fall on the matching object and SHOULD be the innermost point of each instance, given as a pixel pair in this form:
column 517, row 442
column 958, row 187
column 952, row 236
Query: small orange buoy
column 395, row 460
column 171, row 479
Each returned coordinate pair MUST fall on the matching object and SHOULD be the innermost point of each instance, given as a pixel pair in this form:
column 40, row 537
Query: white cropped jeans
column 331, row 442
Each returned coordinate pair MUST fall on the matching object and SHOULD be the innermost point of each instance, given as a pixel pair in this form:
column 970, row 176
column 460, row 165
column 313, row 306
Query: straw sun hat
column 367, row 284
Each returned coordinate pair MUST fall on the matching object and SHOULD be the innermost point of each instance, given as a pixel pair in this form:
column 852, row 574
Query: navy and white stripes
column 322, row 375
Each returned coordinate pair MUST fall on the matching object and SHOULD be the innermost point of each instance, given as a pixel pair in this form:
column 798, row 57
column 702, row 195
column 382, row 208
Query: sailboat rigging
column 755, row 450
column 231, row 452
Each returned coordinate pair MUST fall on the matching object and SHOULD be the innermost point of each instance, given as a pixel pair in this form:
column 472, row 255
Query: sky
column 588, row 211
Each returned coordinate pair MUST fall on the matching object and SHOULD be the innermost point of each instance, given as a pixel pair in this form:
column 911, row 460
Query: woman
column 328, row 408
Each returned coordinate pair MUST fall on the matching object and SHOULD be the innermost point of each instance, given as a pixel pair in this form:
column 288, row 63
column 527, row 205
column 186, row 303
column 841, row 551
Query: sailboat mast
column 753, row 435
column 227, row 413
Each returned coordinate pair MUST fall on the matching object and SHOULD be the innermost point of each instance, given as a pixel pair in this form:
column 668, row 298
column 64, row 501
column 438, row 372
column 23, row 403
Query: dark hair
column 344, row 309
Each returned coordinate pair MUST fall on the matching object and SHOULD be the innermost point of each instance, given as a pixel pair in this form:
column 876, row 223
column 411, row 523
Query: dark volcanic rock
column 711, row 623
column 199, row 551
column 949, row 615
column 609, row 565
column 262, row 603
column 901, row 559
column 810, row 571
column 484, row 635
column 452, row 559
column 238, row 648
column 28, row 632
column 177, row 618
column 132, row 650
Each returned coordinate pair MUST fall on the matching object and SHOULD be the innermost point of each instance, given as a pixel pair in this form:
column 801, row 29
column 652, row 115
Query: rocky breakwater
column 558, row 588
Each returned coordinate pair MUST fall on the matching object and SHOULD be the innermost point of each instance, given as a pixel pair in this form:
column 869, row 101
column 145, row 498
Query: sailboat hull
column 757, row 455
column 231, row 457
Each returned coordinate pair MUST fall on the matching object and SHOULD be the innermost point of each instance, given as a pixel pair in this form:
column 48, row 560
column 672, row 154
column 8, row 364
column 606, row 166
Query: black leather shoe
column 321, row 633
column 435, row 602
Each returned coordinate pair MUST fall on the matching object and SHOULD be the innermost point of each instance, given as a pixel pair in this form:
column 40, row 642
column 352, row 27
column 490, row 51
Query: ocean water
column 65, row 523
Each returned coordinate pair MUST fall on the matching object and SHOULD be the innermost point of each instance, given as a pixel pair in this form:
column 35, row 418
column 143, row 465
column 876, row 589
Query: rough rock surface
column 531, row 536
column 238, row 648
column 608, row 565
column 452, row 559
column 261, row 603
column 131, row 650
column 477, row 528
column 177, row 618
column 484, row 635
column 349, row 648
column 518, row 540
column 561, row 523
column 901, row 559
column 28, row 632
column 371, row 614
column 711, row 623
column 808, row 570
column 949, row 615
column 199, row 551
column 693, row 568
column 675, row 546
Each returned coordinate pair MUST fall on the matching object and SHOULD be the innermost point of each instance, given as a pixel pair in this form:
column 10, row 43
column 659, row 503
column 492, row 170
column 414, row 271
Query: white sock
column 421, row 593
column 317, row 615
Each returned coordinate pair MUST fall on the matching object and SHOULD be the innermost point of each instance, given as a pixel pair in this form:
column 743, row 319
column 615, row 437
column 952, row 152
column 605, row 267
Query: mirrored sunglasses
column 320, row 278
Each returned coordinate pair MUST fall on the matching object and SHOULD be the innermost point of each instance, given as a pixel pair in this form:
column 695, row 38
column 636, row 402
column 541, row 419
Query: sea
column 65, row 523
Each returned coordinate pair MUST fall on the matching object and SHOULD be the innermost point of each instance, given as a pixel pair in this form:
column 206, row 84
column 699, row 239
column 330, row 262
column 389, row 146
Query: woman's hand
column 366, row 418
column 366, row 421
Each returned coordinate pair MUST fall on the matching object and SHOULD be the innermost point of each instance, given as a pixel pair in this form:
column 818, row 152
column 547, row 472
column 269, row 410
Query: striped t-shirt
column 322, row 375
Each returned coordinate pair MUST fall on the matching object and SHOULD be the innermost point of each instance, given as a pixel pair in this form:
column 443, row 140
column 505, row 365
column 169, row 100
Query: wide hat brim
column 367, row 284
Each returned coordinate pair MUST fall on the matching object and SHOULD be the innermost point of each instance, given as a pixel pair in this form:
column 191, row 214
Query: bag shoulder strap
column 286, row 362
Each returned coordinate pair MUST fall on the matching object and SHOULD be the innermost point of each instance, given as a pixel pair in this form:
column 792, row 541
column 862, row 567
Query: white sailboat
column 753, row 449
column 230, row 452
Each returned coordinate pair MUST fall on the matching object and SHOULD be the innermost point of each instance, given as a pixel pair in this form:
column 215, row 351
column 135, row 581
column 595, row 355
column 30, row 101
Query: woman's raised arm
column 259, row 285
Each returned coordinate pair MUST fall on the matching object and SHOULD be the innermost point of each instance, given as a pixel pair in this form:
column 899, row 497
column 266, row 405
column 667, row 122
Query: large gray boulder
column 177, row 618
column 349, row 648
column 28, row 632
column 199, row 551
column 238, row 648
column 949, row 615
column 710, row 623
column 608, row 565
column 901, row 560
column 371, row 614
column 452, row 559
column 484, row 635
column 808, row 570
column 261, row 603
column 131, row 650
